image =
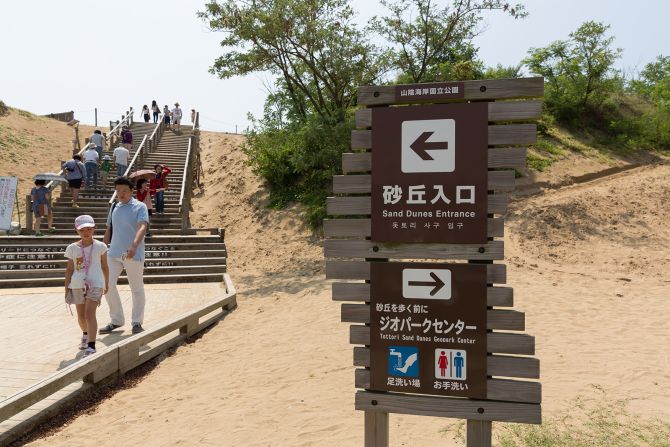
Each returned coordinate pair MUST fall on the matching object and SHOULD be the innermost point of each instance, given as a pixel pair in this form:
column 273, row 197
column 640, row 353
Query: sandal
column 38, row 234
column 52, row 230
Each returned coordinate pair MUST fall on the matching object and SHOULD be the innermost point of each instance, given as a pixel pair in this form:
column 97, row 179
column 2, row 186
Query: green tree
column 579, row 71
column 319, row 54
column 433, row 43
column 654, row 82
column 502, row 72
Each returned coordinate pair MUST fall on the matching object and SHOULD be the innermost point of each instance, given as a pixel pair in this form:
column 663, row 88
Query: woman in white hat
column 176, row 117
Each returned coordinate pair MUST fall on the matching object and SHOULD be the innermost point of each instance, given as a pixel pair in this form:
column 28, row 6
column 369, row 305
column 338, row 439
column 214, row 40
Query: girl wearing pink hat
column 86, row 279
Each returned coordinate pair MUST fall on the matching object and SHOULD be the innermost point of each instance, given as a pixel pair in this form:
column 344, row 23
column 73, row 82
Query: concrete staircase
column 171, row 256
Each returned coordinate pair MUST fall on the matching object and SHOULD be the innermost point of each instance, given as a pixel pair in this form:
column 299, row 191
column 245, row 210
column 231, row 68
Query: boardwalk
column 40, row 336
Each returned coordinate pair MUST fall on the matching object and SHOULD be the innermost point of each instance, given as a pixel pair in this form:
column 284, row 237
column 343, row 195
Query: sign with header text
column 430, row 173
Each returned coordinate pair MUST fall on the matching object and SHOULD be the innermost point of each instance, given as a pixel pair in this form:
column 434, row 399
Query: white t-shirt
column 91, row 156
column 121, row 154
column 92, row 253
column 176, row 113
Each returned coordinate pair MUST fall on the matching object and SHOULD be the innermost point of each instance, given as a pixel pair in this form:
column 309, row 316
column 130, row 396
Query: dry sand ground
column 589, row 267
column 30, row 144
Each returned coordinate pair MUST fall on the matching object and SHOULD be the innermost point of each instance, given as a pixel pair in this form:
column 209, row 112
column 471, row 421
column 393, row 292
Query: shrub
column 298, row 161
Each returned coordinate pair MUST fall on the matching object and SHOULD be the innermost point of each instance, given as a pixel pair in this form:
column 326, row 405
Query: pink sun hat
column 84, row 221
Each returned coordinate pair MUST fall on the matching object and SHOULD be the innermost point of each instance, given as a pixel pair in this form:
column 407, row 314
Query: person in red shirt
column 143, row 195
column 158, row 185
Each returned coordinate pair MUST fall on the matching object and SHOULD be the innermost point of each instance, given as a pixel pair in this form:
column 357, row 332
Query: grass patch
column 603, row 424
column 537, row 162
column 10, row 139
column 548, row 146
column 26, row 115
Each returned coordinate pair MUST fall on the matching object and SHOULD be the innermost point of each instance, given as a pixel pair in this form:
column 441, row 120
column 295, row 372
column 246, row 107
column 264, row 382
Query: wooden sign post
column 424, row 189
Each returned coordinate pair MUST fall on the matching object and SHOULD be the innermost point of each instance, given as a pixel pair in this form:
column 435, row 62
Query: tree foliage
column 319, row 54
column 654, row 82
column 432, row 43
column 579, row 71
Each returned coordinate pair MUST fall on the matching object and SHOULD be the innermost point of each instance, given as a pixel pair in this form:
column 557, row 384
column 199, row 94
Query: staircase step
column 61, row 262
column 150, row 279
column 148, row 271
column 41, row 256
column 67, row 239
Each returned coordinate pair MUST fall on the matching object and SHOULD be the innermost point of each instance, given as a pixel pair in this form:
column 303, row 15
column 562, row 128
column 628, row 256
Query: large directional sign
column 429, row 173
column 428, row 328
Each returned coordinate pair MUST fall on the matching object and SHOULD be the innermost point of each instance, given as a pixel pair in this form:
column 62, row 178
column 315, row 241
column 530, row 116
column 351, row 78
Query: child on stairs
column 86, row 279
column 41, row 206
column 143, row 195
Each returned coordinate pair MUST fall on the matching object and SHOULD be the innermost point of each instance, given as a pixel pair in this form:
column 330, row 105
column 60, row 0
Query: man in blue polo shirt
column 126, row 226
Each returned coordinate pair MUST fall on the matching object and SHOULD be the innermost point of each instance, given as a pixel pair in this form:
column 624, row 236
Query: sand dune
column 30, row 144
column 589, row 267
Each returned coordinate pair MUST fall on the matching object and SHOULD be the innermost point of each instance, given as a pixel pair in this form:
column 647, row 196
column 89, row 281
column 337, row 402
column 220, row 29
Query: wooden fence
column 125, row 355
column 64, row 116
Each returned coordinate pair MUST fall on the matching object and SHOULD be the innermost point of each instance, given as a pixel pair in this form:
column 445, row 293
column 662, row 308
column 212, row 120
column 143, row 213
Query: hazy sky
column 81, row 54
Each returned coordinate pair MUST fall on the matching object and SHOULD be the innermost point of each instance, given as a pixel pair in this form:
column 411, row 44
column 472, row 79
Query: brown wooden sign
column 429, row 173
column 428, row 328
column 380, row 270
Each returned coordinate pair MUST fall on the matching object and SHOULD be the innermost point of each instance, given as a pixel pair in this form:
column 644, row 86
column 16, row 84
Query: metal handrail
column 130, row 165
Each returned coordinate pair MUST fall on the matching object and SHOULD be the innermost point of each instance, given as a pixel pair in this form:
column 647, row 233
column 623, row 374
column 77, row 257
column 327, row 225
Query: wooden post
column 478, row 433
column 76, row 136
column 29, row 216
column 376, row 429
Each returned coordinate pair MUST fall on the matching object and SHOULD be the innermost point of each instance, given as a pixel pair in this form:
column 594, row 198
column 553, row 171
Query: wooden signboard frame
column 512, row 106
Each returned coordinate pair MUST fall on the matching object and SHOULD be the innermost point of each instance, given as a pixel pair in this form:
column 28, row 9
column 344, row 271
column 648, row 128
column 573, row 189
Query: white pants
column 134, row 270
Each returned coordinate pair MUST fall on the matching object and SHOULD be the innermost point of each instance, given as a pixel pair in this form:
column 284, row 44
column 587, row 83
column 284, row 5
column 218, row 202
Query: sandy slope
column 30, row 144
column 588, row 264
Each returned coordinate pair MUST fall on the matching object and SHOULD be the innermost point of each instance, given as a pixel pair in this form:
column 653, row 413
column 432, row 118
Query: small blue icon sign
column 403, row 361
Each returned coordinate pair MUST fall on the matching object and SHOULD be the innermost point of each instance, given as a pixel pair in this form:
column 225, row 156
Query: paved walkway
column 39, row 336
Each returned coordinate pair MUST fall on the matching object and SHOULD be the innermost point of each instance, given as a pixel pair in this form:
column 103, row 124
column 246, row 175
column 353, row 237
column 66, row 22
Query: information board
column 7, row 199
column 429, row 174
column 428, row 328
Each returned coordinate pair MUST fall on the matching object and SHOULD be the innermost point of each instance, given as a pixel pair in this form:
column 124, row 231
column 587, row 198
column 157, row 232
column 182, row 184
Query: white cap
column 84, row 221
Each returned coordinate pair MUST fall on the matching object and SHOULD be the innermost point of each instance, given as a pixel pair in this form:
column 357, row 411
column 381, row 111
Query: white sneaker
column 84, row 343
column 89, row 351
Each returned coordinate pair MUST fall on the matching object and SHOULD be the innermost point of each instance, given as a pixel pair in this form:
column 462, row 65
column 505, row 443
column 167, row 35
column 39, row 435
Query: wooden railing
column 156, row 136
column 126, row 120
column 185, row 195
column 139, row 154
column 191, row 173
column 125, row 355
